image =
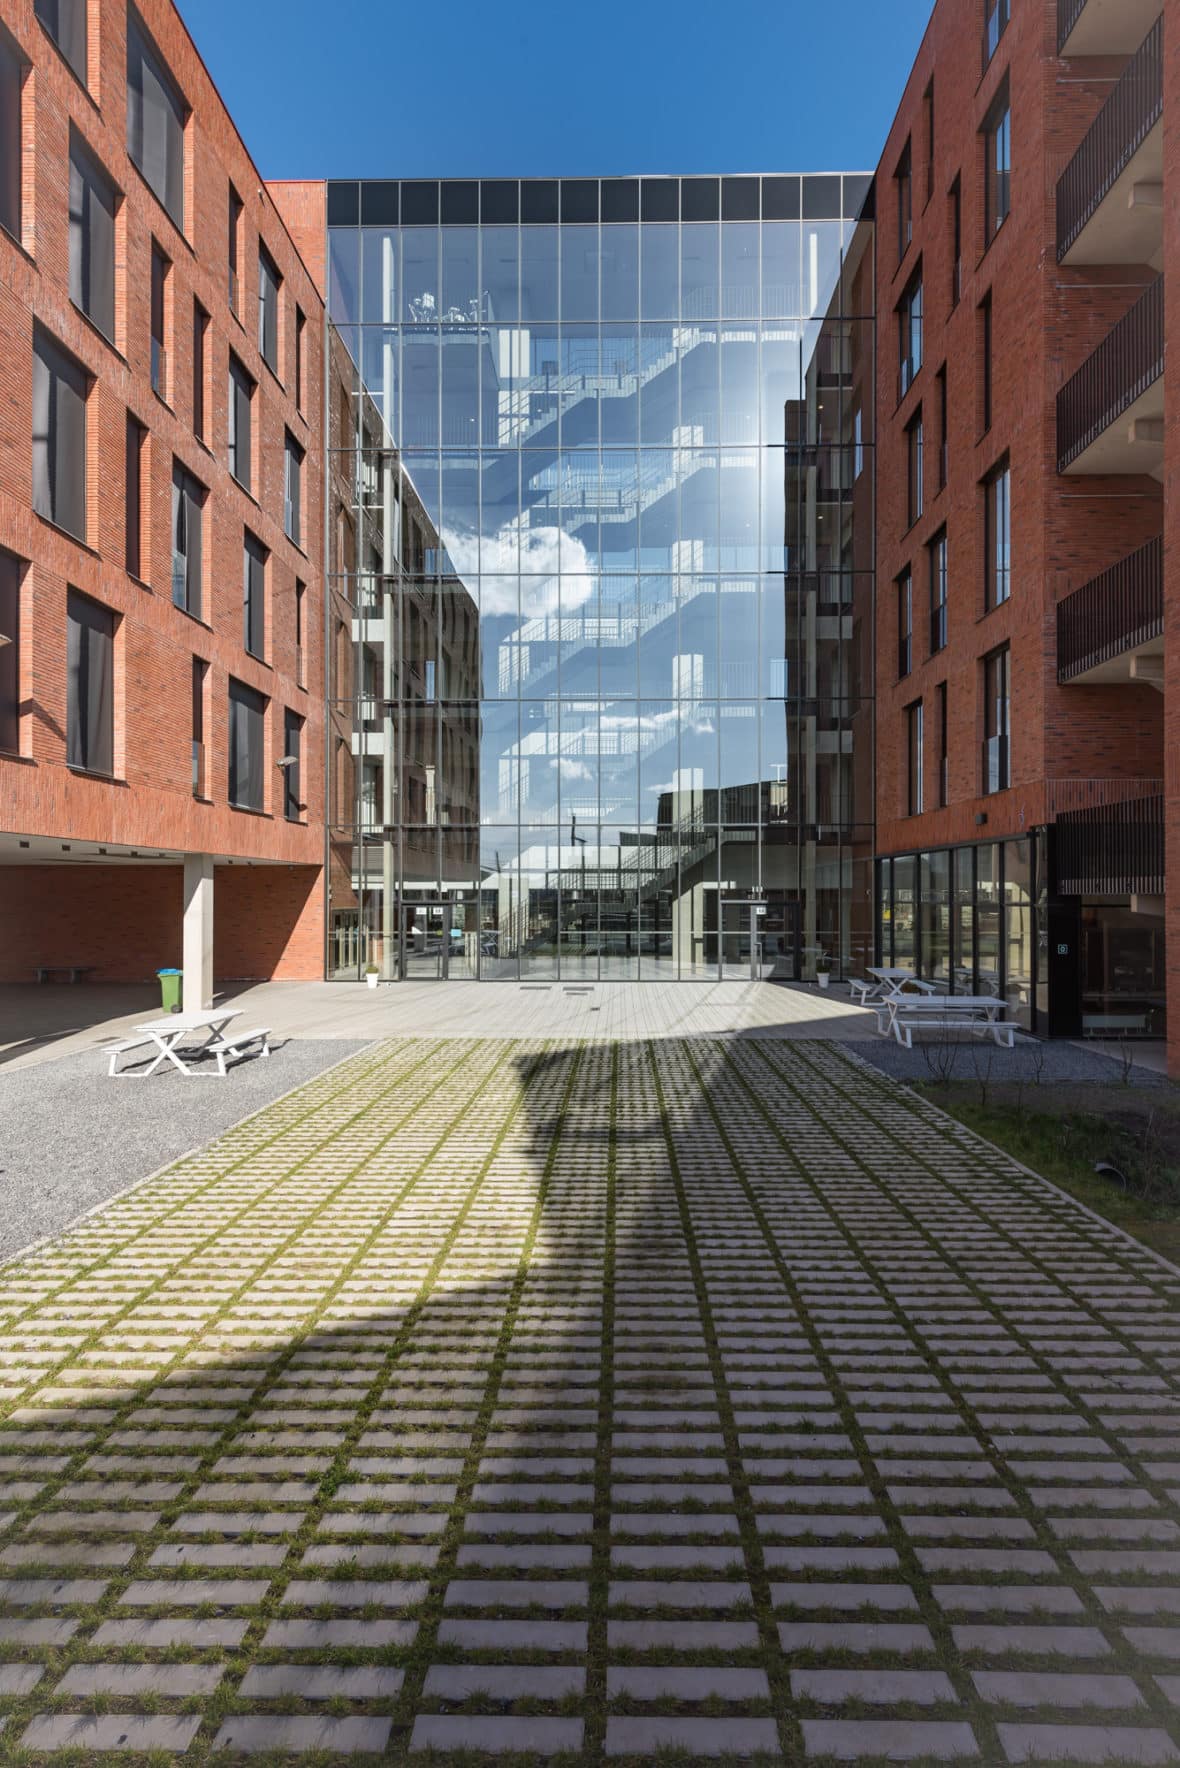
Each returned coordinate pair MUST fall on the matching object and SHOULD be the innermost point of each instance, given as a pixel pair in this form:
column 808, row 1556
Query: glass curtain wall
column 601, row 577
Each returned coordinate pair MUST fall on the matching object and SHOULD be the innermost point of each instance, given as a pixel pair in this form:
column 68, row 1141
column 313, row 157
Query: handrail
column 1117, row 133
column 1113, row 613
column 1125, row 364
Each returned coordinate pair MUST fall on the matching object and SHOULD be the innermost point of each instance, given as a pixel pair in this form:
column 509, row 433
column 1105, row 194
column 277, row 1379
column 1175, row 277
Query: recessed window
column 997, row 170
column 188, row 506
column 65, row 20
column 944, row 443
column 292, row 765
column 11, row 572
column 136, row 448
column 292, row 490
column 914, row 759
column 61, row 388
column 904, row 180
column 905, row 623
column 943, row 748
column 200, row 676
column 300, row 633
column 269, row 282
column 234, row 243
column 247, row 736
column 997, row 492
column 995, row 23
column 997, row 692
column 910, row 333
column 928, row 115
column 984, row 326
column 93, row 204
column 241, row 395
column 90, row 685
column 160, row 270
column 13, row 69
column 300, row 346
column 956, row 233
column 156, row 115
column 254, row 556
column 937, row 552
column 858, row 442
column 200, row 334
column 915, row 468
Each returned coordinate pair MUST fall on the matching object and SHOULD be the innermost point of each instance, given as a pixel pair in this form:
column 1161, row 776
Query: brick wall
column 151, row 802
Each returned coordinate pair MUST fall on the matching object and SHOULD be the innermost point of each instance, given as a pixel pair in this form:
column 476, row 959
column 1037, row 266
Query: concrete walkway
column 599, row 1400
column 40, row 1023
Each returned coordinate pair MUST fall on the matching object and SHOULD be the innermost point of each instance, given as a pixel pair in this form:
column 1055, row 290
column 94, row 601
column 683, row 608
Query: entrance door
column 425, row 941
column 741, row 940
column 779, row 928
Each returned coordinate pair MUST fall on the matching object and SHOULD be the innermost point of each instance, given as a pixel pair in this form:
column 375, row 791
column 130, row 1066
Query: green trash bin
column 170, row 981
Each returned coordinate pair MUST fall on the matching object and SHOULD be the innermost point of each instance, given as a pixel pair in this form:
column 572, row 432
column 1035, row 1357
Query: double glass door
column 433, row 944
column 758, row 940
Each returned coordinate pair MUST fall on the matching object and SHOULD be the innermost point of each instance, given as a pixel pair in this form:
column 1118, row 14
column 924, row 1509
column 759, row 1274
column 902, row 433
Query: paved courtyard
column 598, row 1399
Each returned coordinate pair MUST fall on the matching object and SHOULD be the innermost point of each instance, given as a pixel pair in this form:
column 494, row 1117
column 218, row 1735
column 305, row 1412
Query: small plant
column 823, row 965
column 981, row 1061
column 372, row 969
column 1126, row 1058
column 941, row 1057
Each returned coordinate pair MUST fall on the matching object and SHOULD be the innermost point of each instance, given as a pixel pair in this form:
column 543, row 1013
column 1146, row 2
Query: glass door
column 739, row 941
column 424, row 941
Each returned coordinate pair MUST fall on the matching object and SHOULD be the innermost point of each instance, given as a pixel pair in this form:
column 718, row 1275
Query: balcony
column 1112, row 629
column 1112, row 849
column 1103, row 27
column 1110, row 414
column 1110, row 197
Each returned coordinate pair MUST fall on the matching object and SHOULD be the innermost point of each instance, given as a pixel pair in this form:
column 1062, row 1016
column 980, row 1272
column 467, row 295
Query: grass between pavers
column 1063, row 1131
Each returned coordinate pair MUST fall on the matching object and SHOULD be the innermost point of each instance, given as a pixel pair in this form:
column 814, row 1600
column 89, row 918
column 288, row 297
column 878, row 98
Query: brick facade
column 150, row 802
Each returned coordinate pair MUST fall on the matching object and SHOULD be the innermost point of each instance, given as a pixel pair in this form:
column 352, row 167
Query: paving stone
column 502, row 1682
column 888, row 1598
column 322, row 1635
column 159, row 1635
column 175, row 1681
column 17, row 1679
column 127, row 1731
column 194, row 1592
column 1017, row 1599
column 1067, row 1642
column 319, row 1682
column 626, row 1736
column 924, row 1688
column 701, row 1682
column 682, row 1635
column 551, row 1636
column 1086, row 1743
column 891, row 1740
column 253, row 1733
column 864, row 1638
column 1042, row 1688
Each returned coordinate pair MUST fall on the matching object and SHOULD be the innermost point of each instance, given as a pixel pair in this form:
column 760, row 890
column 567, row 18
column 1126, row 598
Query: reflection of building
column 619, row 681
column 1027, row 717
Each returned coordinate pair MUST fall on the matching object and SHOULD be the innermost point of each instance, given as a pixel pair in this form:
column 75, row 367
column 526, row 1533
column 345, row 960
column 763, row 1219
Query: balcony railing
column 1116, row 612
column 1112, row 849
column 1126, row 363
column 1068, row 14
column 1115, row 137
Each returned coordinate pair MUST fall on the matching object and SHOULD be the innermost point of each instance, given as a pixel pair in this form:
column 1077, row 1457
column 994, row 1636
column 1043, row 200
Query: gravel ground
column 1062, row 1062
column 70, row 1137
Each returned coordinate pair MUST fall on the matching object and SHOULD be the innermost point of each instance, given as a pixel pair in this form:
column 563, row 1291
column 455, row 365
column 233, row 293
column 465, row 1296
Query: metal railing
column 1112, row 849
column 1117, row 133
column 1068, row 14
column 1126, row 363
column 1113, row 613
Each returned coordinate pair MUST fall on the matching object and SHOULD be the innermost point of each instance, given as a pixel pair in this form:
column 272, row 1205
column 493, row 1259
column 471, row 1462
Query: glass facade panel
column 607, row 530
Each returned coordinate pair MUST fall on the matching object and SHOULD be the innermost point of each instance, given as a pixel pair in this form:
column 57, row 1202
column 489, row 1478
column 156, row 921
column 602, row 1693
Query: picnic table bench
column 900, row 1015
column 75, row 972
column 167, row 1034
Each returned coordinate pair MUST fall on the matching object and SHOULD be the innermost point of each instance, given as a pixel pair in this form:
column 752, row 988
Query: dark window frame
column 293, row 806
column 201, row 324
column 938, row 554
column 61, row 384
column 158, row 327
column 915, row 758
column 270, row 282
column 905, row 623
column 915, row 441
column 997, row 164
column 94, row 200
column 14, row 71
column 135, row 442
column 168, row 108
column 911, row 332
column 12, row 573
column 189, row 497
column 90, row 685
column 943, row 745
column 255, row 559
column 69, row 35
column 903, row 178
column 997, row 719
column 293, row 458
column 241, row 414
column 997, row 531
column 246, row 747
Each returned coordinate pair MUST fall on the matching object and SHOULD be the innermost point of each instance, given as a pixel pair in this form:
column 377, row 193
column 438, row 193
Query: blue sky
column 411, row 88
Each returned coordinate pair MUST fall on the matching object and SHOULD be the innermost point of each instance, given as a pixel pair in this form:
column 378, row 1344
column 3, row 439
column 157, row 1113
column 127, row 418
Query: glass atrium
column 600, row 614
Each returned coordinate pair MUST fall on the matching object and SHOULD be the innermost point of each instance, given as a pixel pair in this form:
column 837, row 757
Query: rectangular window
column 160, row 269
column 914, row 759
column 241, row 394
column 254, row 557
column 995, row 23
column 905, row 623
column 300, row 620
column 247, row 735
column 61, row 388
column 928, row 113
column 90, row 685
column 937, row 552
column 998, row 535
column 910, row 333
column 858, row 443
column 985, row 362
column 292, row 763
column 944, row 443
column 943, row 748
column 904, row 178
column 269, row 282
column 234, row 243
column 200, row 334
column 13, row 69
column 997, row 140
column 292, row 490
column 956, row 231
column 188, row 504
column 300, row 345
column 156, row 115
column 915, row 468
column 93, row 202
column 996, row 709
column 11, row 572
column 65, row 20
column 133, row 496
column 200, row 671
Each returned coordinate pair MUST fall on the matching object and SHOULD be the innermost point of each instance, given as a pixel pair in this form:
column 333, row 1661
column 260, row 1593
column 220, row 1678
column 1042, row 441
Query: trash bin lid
column 169, row 972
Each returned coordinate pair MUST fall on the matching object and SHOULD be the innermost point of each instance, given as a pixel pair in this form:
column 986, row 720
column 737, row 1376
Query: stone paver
column 600, row 1400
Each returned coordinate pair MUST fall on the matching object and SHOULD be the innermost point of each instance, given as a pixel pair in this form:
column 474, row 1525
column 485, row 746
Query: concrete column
column 198, row 932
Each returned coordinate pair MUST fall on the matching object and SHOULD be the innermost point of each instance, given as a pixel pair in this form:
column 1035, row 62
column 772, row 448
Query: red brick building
column 161, row 607
column 1027, row 628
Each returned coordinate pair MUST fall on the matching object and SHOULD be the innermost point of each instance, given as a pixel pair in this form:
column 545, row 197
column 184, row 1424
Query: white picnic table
column 168, row 1033
column 979, row 1013
column 887, row 982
